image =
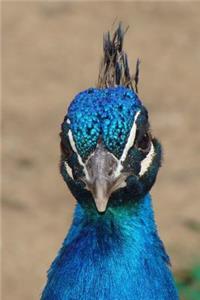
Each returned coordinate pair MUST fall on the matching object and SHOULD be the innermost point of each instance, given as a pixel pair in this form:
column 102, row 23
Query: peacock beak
column 101, row 167
column 100, row 192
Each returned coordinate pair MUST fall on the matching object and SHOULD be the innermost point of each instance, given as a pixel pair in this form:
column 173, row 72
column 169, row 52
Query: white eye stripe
column 72, row 143
column 130, row 142
column 131, row 138
column 71, row 140
column 146, row 162
column 68, row 169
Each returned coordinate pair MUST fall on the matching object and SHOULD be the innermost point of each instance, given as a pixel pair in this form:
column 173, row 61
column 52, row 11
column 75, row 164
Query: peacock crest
column 114, row 68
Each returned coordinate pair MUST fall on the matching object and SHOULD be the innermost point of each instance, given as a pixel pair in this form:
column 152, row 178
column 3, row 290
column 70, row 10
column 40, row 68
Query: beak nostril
column 110, row 172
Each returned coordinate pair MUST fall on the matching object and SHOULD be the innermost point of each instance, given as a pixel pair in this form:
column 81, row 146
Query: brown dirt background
column 51, row 51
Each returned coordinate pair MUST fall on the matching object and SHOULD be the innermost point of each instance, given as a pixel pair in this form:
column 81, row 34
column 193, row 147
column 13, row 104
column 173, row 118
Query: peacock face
column 108, row 156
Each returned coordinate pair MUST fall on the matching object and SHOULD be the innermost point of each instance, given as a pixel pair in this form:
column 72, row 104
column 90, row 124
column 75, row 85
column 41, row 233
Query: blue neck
column 117, row 255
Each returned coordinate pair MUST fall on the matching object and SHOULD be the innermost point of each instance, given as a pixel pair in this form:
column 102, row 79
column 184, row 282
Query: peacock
column 109, row 161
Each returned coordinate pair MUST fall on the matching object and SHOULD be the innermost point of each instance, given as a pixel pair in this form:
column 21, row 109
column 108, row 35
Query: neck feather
column 117, row 255
column 133, row 223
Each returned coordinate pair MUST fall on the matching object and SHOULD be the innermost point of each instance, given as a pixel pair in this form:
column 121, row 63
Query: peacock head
column 109, row 157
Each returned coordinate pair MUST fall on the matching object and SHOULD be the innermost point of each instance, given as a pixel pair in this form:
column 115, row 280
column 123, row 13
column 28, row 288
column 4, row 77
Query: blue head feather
column 107, row 112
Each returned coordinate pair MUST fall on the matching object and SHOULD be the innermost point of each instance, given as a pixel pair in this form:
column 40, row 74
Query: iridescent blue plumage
column 117, row 255
column 110, row 161
column 109, row 112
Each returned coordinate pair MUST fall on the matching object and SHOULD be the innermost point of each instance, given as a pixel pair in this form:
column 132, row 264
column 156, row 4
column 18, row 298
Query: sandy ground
column 51, row 51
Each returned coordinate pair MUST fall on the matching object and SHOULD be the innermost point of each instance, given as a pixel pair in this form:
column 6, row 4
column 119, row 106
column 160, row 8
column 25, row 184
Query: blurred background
column 51, row 51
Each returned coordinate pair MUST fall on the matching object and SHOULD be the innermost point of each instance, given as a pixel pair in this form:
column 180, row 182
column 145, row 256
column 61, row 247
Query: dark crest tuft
column 114, row 69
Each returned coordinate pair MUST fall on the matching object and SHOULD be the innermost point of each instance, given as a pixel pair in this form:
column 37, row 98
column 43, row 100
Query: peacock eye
column 66, row 150
column 144, row 142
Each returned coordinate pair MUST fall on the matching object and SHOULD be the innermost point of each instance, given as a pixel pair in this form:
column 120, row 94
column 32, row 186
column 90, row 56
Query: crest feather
column 114, row 68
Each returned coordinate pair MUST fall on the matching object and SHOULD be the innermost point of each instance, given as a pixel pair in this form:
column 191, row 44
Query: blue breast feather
column 113, row 256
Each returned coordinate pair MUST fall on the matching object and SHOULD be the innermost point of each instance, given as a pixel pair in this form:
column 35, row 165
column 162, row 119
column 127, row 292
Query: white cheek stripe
column 68, row 169
column 129, row 144
column 146, row 162
column 71, row 140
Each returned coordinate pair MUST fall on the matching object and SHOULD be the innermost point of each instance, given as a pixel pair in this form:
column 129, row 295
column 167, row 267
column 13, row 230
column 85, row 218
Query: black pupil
column 144, row 142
